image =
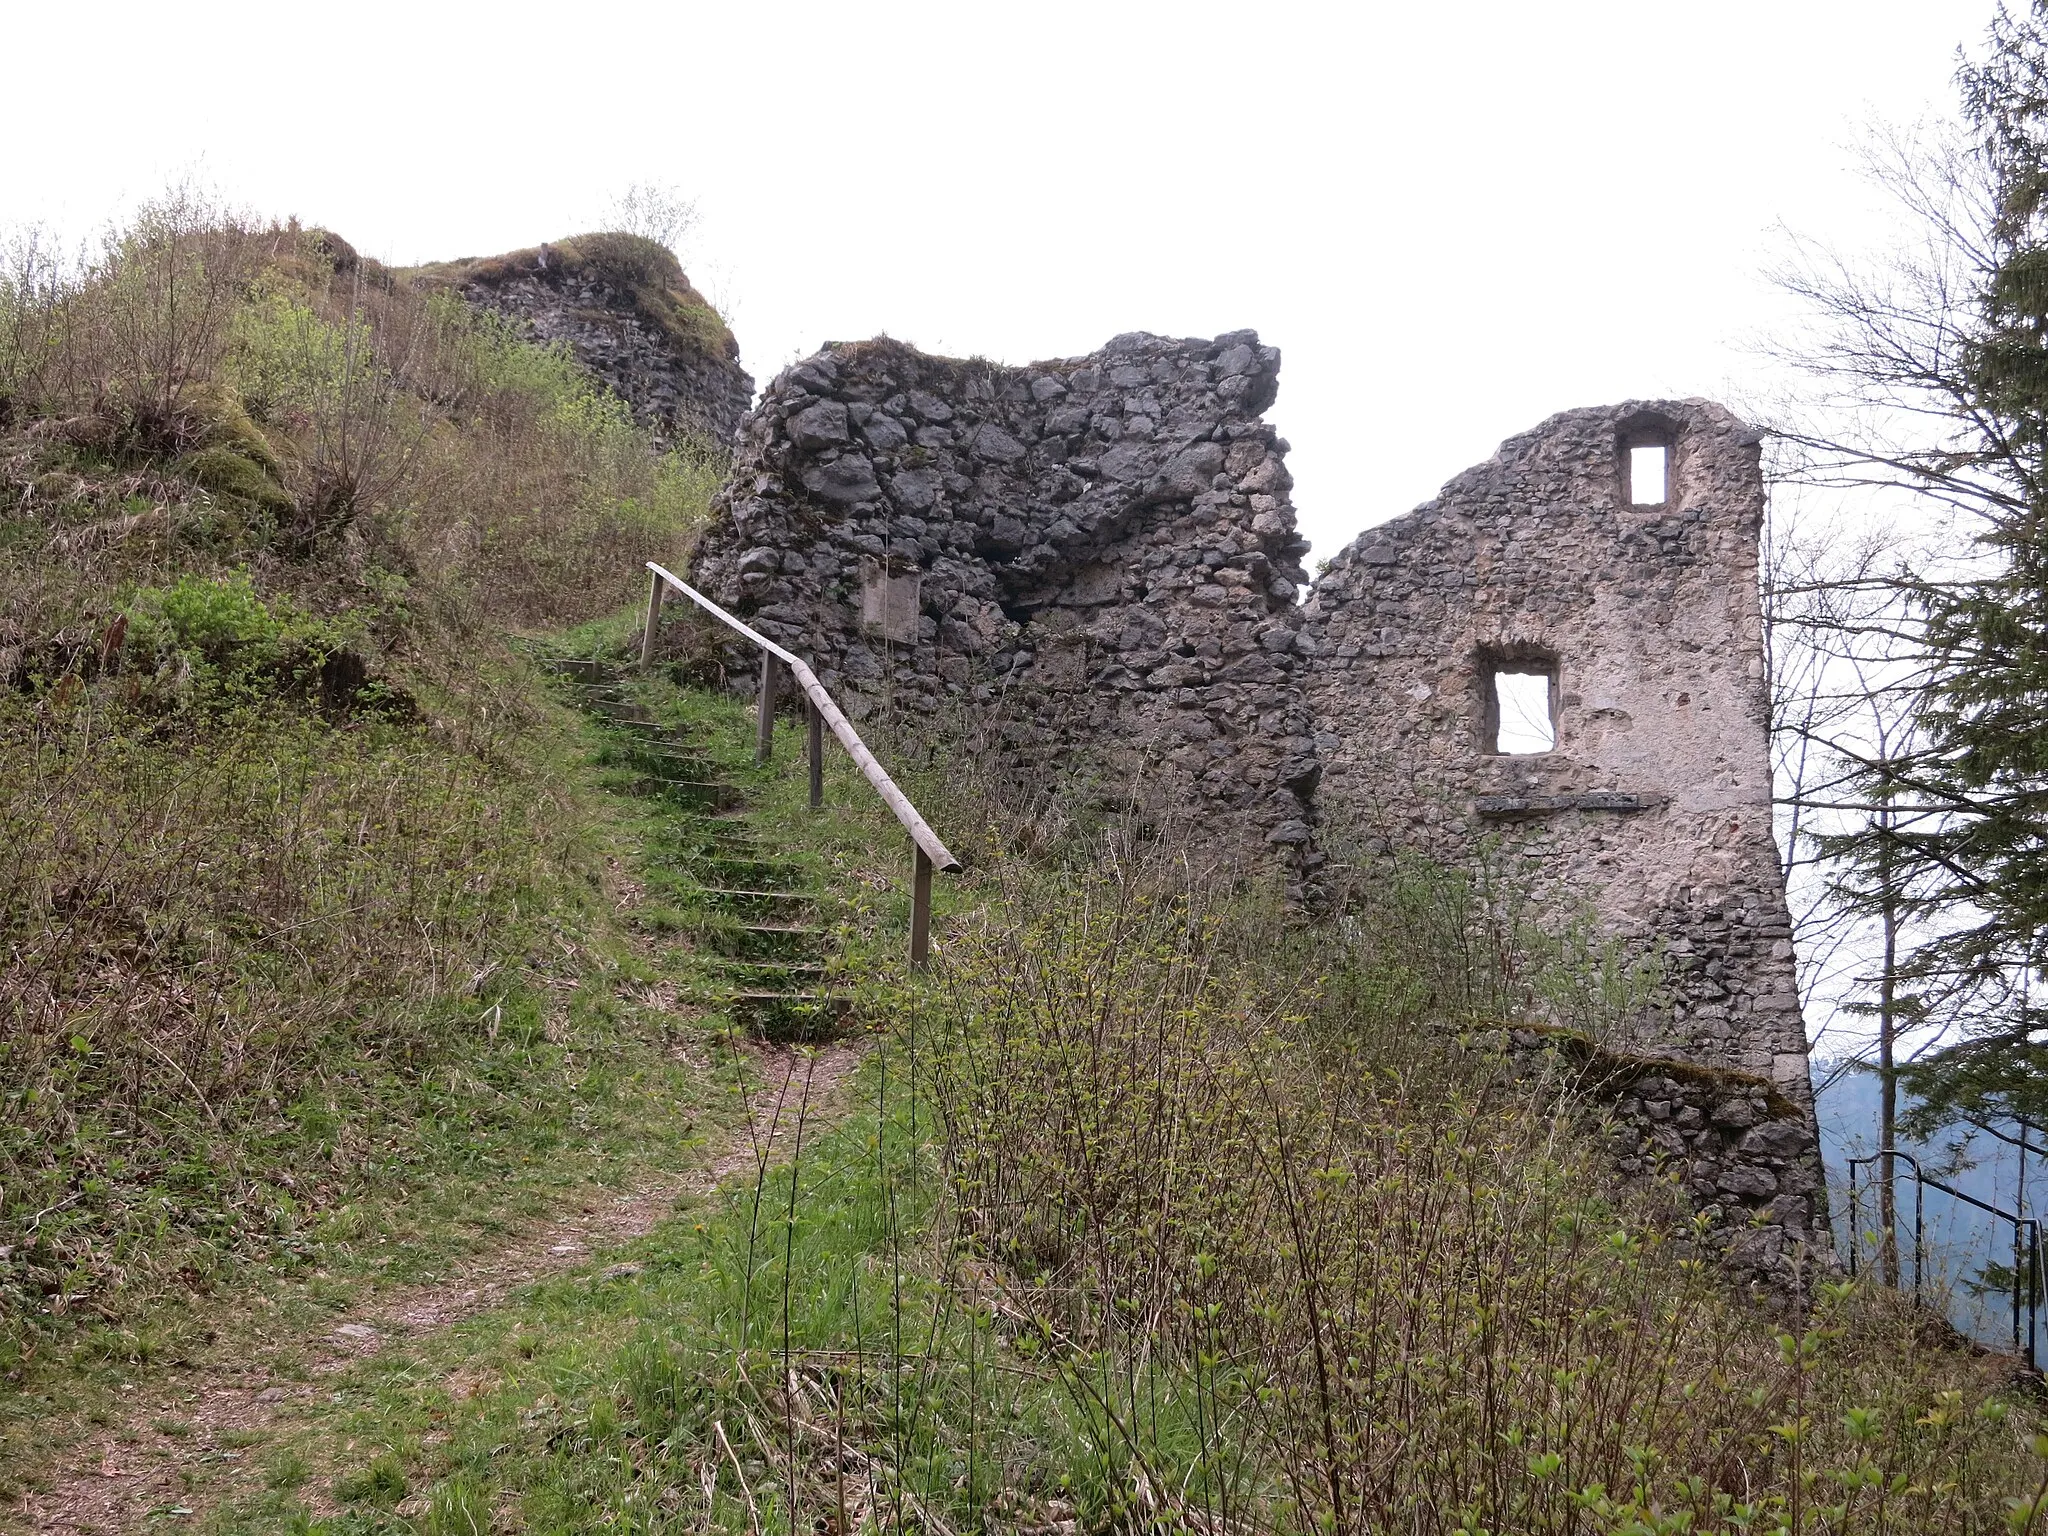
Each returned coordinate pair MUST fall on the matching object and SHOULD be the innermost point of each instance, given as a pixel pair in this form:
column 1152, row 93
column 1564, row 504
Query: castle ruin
column 1559, row 660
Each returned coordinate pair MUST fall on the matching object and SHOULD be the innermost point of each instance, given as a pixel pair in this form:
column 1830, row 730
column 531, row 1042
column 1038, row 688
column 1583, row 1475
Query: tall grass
column 202, row 926
column 314, row 403
column 280, row 809
column 1296, row 1280
column 1165, row 1213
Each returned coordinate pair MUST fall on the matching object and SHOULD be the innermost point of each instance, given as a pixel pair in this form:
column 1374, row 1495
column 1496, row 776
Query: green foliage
column 274, row 919
column 208, row 644
column 286, row 359
column 507, row 483
column 1126, row 1231
column 216, row 638
column 295, row 872
column 1955, row 849
column 1427, row 942
column 203, row 931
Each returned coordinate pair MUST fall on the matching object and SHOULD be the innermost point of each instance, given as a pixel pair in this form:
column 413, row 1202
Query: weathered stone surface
column 1653, row 809
column 1740, row 1144
column 1090, row 569
column 819, row 426
column 627, row 313
column 1106, row 563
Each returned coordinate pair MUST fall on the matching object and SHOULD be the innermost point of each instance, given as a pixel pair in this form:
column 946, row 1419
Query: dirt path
column 115, row 1480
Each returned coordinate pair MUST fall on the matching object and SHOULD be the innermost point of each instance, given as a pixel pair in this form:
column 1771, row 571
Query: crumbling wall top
column 1100, row 549
column 625, row 309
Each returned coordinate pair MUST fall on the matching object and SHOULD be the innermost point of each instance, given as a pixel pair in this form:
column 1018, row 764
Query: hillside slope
column 287, row 824
column 347, row 961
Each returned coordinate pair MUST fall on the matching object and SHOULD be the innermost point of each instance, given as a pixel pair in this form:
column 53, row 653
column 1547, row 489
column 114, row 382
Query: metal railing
column 2026, row 1244
column 927, row 852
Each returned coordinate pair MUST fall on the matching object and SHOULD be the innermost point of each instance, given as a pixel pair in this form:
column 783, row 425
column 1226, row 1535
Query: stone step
column 687, row 794
column 717, row 845
column 672, row 754
column 785, row 1016
column 582, row 668
column 772, row 975
column 764, row 940
column 750, row 874
column 753, row 903
column 638, row 725
column 715, row 790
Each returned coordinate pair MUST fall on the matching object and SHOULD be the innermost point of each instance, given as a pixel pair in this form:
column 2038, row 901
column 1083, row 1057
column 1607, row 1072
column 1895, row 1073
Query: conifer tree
column 1959, row 844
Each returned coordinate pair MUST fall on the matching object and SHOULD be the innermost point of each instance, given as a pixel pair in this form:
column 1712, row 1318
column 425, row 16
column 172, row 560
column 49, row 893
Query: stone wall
column 1739, row 1148
column 1098, row 559
column 1098, row 553
column 1653, row 809
column 625, row 310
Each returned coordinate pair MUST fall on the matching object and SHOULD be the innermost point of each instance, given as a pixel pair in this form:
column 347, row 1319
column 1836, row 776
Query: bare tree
column 658, row 211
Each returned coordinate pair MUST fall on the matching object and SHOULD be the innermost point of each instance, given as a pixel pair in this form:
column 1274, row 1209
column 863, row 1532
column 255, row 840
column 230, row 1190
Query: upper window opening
column 1522, row 719
column 1648, row 467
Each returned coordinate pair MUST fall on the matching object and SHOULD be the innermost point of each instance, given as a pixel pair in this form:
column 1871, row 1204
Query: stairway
column 760, row 927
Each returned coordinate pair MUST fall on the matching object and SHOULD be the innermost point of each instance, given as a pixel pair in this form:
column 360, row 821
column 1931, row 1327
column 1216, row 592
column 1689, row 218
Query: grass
column 338, row 953
column 384, row 1168
column 1124, row 1233
column 617, row 1088
column 315, row 981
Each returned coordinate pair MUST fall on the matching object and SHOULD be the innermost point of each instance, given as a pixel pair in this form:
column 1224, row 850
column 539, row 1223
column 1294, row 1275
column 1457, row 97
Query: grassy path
column 197, row 1439
column 727, row 892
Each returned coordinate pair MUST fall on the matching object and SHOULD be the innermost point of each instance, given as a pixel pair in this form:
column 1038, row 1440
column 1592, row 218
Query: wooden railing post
column 825, row 716
column 764, row 732
column 816, row 748
column 654, row 596
column 920, row 908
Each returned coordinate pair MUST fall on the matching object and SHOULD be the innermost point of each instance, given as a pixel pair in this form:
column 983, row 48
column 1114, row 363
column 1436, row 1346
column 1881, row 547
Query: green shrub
column 287, row 360
column 213, row 640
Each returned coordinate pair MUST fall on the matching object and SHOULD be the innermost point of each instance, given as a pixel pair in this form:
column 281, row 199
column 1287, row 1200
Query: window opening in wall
column 1522, row 722
column 1648, row 464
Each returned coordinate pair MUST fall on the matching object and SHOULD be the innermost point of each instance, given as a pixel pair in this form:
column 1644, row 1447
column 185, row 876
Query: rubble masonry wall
column 1100, row 552
column 1098, row 557
column 1653, row 812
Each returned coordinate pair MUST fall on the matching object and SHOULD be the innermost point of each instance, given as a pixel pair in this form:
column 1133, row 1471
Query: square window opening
column 1648, row 467
column 1522, row 720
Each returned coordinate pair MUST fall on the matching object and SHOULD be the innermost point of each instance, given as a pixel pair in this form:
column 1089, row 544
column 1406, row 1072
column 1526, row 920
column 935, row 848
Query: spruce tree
column 1962, row 844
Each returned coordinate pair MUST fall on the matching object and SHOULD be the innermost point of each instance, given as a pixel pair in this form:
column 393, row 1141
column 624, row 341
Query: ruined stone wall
column 1098, row 559
column 1099, row 556
column 1653, row 810
column 1740, row 1149
column 1098, row 553
column 627, row 313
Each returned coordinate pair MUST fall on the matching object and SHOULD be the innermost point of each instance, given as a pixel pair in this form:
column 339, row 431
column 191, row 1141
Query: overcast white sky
column 1453, row 218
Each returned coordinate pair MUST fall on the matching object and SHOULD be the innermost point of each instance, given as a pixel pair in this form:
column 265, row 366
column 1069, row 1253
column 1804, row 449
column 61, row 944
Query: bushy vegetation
column 1302, row 1277
column 1164, row 1209
column 1161, row 1210
column 286, row 830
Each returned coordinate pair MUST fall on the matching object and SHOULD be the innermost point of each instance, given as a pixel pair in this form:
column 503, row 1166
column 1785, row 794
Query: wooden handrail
column 930, row 852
